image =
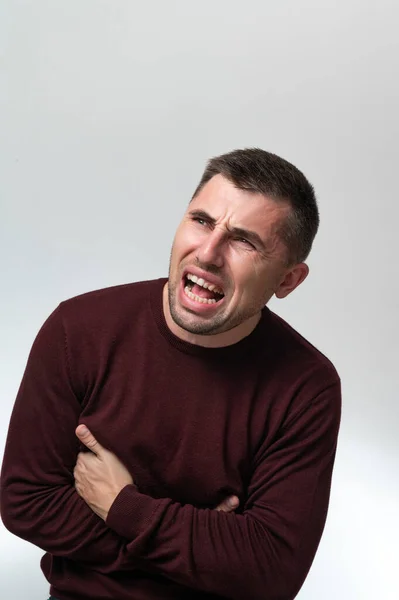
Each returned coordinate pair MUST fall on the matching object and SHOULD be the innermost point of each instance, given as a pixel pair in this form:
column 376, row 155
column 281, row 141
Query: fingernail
column 233, row 502
column 83, row 429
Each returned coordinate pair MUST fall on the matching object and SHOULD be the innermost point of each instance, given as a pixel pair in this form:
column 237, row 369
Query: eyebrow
column 251, row 236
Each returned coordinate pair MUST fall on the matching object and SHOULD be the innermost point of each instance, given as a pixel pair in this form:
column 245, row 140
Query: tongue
column 202, row 292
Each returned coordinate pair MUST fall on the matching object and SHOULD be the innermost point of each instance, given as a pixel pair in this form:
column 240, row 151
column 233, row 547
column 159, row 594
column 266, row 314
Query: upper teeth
column 205, row 284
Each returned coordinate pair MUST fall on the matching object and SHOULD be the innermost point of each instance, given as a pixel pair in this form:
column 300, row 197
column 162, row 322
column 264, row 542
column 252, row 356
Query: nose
column 211, row 251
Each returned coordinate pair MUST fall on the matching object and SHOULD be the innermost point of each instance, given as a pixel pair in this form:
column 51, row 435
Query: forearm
column 265, row 552
column 56, row 520
column 197, row 548
column 239, row 556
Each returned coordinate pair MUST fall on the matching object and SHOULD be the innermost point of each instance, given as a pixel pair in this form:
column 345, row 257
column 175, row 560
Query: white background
column 109, row 110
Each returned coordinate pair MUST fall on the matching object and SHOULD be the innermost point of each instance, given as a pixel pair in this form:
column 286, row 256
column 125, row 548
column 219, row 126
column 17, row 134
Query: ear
column 292, row 279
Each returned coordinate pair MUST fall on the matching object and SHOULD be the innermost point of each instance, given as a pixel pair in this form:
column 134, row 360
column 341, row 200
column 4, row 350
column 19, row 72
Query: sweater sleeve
column 39, row 502
column 265, row 551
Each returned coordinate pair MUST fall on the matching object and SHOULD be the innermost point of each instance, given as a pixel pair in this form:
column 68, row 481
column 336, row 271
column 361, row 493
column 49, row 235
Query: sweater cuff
column 131, row 512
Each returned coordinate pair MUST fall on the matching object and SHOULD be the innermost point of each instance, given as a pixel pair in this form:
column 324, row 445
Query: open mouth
column 200, row 290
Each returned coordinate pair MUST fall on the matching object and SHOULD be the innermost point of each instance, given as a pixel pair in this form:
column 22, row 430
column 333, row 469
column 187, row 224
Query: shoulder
column 110, row 301
column 118, row 294
column 304, row 381
column 102, row 326
column 295, row 349
column 294, row 369
column 108, row 312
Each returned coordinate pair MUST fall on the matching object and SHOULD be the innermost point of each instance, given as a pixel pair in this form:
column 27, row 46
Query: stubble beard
column 189, row 322
column 220, row 323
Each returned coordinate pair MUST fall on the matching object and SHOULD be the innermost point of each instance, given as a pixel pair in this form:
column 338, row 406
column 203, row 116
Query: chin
column 195, row 324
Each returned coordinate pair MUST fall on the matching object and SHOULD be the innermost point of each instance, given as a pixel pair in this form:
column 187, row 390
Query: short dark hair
column 258, row 171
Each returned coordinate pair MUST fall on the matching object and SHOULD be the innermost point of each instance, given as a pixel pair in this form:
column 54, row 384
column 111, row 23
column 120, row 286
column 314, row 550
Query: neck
column 218, row 340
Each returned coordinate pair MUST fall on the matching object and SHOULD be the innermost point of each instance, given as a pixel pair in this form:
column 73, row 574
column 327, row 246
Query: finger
column 77, row 472
column 88, row 439
column 79, row 466
column 84, row 459
column 229, row 504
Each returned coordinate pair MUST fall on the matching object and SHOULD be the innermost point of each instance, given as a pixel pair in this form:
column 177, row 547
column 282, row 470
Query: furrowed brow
column 201, row 214
column 251, row 236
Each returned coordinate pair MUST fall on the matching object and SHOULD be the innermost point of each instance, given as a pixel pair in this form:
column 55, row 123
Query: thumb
column 88, row 439
column 229, row 504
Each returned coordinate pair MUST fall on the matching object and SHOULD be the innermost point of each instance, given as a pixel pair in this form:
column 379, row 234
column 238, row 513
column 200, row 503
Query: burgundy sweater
column 258, row 419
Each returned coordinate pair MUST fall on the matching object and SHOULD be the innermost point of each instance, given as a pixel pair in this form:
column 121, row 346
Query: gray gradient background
column 109, row 110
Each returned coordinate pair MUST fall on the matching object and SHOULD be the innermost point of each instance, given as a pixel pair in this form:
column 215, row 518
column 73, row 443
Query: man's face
column 227, row 259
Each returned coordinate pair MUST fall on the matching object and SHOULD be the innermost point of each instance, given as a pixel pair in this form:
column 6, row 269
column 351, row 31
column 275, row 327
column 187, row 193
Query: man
column 185, row 394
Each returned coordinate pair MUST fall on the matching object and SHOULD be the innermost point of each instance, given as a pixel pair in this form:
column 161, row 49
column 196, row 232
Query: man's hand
column 99, row 474
column 229, row 504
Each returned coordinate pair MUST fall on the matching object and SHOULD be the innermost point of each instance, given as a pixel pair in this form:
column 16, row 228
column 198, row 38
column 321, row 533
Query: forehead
column 239, row 208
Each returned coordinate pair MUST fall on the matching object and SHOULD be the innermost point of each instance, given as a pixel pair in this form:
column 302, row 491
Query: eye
column 245, row 242
column 200, row 221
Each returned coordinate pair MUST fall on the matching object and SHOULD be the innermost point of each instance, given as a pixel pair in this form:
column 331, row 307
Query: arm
column 265, row 552
column 38, row 500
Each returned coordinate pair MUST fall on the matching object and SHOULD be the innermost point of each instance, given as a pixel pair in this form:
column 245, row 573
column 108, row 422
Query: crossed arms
column 263, row 552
